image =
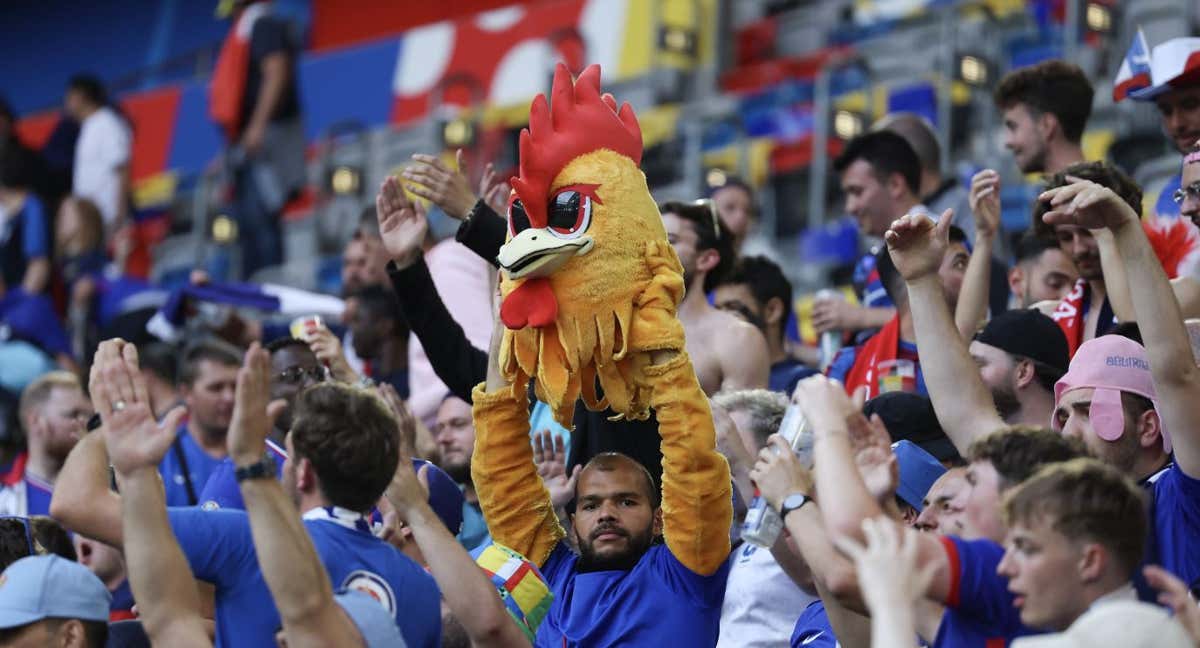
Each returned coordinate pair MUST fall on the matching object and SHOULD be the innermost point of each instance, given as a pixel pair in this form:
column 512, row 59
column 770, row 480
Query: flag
column 1135, row 69
column 169, row 322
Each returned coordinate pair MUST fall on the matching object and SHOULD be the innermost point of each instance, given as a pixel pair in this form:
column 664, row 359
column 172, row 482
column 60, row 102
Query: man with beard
column 1045, row 109
column 380, row 336
column 208, row 380
column 1019, row 355
column 728, row 354
column 1175, row 91
column 342, row 451
column 455, row 437
column 1086, row 312
column 622, row 588
column 53, row 411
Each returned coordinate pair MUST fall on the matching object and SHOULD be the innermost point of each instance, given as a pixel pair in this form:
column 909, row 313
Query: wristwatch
column 791, row 503
column 260, row 469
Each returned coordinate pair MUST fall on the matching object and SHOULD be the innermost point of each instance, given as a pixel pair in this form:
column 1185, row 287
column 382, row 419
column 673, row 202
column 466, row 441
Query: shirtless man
column 728, row 354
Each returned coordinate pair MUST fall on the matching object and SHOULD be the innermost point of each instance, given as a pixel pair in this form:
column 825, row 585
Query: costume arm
column 459, row 364
column 516, row 504
column 697, row 502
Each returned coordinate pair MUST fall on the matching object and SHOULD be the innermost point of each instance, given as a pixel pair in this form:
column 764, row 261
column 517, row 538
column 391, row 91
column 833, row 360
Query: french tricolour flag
column 1135, row 69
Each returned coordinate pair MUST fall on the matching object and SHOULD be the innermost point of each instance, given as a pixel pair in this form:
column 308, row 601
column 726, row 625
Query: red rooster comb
column 580, row 120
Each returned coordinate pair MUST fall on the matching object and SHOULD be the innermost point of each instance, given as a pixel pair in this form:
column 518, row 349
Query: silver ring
column 118, row 406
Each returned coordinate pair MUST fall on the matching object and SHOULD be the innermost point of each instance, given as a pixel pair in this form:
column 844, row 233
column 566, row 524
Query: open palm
column 402, row 222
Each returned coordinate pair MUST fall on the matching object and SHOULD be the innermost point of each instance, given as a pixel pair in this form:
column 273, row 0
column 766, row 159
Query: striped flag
column 1135, row 69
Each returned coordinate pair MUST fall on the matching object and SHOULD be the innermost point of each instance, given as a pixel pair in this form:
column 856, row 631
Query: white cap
column 1170, row 62
column 1129, row 624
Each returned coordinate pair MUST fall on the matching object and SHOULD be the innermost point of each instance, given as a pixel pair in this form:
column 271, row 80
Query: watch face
column 794, row 501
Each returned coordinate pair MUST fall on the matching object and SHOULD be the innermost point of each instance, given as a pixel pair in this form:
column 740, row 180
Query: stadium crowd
column 978, row 476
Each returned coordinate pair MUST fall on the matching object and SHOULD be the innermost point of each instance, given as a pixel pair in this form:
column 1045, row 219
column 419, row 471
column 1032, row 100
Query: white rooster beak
column 537, row 253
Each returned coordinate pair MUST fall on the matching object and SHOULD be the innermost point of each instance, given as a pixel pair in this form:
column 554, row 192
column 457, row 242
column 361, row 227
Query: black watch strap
column 791, row 503
column 260, row 469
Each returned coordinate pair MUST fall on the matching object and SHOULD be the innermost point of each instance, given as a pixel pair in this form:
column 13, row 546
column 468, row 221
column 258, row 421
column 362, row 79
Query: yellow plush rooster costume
column 590, row 289
column 590, row 282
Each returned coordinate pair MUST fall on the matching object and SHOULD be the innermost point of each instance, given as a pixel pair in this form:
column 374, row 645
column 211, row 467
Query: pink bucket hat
column 1110, row 364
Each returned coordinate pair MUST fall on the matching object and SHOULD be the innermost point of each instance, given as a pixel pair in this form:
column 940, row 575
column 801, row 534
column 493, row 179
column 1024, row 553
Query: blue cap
column 41, row 587
column 376, row 625
column 918, row 471
column 445, row 497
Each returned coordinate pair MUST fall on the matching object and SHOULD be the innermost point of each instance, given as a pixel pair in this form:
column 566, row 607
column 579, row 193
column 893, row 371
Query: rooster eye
column 570, row 213
column 518, row 220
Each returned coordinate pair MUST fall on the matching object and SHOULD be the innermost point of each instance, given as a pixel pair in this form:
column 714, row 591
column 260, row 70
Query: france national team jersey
column 979, row 607
column 222, row 489
column 220, row 550
column 200, row 466
column 657, row 603
column 813, row 629
column 1175, row 528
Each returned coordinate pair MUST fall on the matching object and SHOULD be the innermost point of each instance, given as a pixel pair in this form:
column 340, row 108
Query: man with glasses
column 1187, row 197
column 727, row 353
column 53, row 412
column 294, row 368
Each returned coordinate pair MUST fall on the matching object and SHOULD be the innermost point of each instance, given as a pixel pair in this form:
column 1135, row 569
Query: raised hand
column 406, row 423
column 445, row 187
column 917, row 244
column 1173, row 593
column 984, row 199
column 494, row 190
column 888, row 570
column 328, row 349
column 729, row 442
column 134, row 439
column 1086, row 204
column 253, row 415
column 825, row 404
column 779, row 473
column 402, row 223
column 550, row 457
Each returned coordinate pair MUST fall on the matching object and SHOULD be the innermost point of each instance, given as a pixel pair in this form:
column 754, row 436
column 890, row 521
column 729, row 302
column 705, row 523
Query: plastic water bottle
column 831, row 341
column 763, row 524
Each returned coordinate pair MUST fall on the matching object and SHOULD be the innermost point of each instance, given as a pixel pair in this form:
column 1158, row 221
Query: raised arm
column 845, row 500
column 1176, row 377
column 403, row 226
column 467, row 592
column 168, row 601
column 519, row 512
column 962, row 402
column 697, row 497
column 298, row 581
column 82, row 501
column 973, row 299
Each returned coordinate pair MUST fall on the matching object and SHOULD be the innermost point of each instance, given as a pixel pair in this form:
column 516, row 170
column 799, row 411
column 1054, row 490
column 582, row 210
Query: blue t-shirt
column 33, row 319
column 200, row 466
column 844, row 359
column 657, row 603
column 813, row 629
column 786, row 373
column 122, row 598
column 1175, row 527
column 222, row 491
column 868, row 284
column 220, row 549
column 1166, row 207
column 979, row 608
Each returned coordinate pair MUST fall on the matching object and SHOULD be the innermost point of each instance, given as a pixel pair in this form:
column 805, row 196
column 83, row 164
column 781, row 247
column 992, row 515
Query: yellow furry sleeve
column 515, row 502
column 696, row 491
